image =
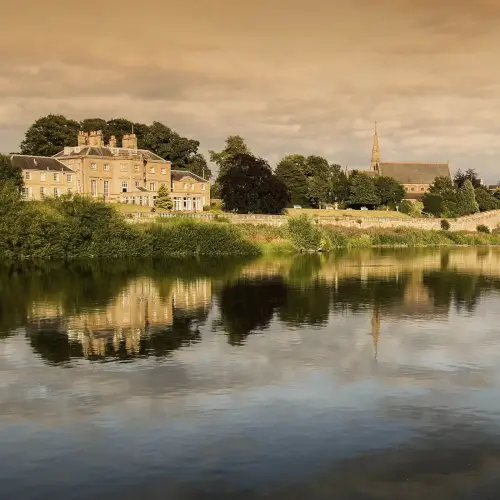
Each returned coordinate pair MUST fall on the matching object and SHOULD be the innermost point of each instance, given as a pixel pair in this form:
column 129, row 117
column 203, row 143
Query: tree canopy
column 10, row 174
column 50, row 134
column 362, row 190
column 469, row 175
column 291, row 173
column 389, row 190
column 248, row 185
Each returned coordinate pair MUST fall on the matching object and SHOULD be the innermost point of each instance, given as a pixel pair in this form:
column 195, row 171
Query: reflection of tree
column 306, row 305
column 463, row 289
column 247, row 306
column 53, row 345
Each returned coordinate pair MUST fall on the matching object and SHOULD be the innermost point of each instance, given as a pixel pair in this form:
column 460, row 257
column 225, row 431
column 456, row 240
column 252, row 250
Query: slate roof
column 25, row 162
column 414, row 173
column 107, row 152
column 178, row 175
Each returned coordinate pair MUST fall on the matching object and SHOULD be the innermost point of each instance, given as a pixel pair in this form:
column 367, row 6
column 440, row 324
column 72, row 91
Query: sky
column 287, row 75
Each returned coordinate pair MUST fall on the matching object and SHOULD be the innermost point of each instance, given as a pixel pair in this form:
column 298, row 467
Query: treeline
column 76, row 227
column 464, row 195
column 247, row 184
column 49, row 134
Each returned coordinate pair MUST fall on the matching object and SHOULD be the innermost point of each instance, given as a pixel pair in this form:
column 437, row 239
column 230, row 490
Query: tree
column 362, row 190
column 291, row 174
column 9, row 174
column 90, row 124
column 169, row 145
column 317, row 171
column 433, row 204
column 338, row 185
column 248, row 185
column 389, row 190
column 466, row 199
column 49, row 134
column 198, row 165
column 442, row 186
column 235, row 145
column 485, row 200
column 470, row 174
column 411, row 208
column 163, row 198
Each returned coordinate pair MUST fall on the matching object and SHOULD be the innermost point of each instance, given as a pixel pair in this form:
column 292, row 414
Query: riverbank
column 80, row 228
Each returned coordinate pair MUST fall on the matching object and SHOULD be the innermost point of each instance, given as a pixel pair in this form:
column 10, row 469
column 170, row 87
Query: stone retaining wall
column 469, row 223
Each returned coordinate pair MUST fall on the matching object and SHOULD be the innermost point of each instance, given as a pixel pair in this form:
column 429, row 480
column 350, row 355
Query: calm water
column 370, row 375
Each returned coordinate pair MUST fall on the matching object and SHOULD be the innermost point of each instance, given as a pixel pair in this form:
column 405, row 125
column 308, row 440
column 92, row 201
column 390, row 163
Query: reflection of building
column 133, row 315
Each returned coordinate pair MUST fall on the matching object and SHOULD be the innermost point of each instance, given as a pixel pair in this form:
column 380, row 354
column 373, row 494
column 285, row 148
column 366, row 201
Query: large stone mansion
column 123, row 174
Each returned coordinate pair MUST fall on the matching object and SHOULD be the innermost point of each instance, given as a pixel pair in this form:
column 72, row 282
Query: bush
column 304, row 234
column 482, row 228
column 445, row 225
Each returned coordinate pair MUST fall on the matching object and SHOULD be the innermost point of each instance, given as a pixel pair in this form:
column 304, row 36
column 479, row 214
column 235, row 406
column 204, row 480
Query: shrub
column 304, row 234
column 445, row 225
column 482, row 228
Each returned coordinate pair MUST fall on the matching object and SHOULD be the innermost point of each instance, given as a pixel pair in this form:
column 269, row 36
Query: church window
column 413, row 188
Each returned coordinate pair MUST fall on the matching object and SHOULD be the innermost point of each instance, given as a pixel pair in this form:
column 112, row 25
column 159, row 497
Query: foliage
column 444, row 187
column 77, row 227
column 49, row 134
column 362, row 190
column 289, row 170
column 235, row 145
column 466, row 199
column 163, row 199
column 413, row 209
column 445, row 225
column 339, row 188
column 482, row 228
column 249, row 186
column 305, row 235
column 317, row 172
column 485, row 200
column 389, row 190
column 470, row 174
column 433, row 204
column 9, row 173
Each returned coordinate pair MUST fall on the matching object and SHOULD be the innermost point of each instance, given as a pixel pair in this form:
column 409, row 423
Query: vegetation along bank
column 76, row 227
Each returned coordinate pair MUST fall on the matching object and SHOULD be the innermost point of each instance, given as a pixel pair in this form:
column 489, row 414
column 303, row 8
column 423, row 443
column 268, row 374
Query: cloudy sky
column 288, row 75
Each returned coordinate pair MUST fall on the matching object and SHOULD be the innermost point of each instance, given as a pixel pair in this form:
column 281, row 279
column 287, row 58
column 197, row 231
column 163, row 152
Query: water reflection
column 106, row 311
column 369, row 374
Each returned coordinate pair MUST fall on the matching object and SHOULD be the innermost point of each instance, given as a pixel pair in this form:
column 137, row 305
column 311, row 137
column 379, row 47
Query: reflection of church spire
column 375, row 152
column 375, row 328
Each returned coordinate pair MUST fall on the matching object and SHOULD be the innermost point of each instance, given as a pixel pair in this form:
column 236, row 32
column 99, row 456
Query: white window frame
column 106, row 188
column 42, row 176
column 124, row 187
column 93, row 187
column 27, row 176
column 56, row 177
column 164, row 171
column 152, row 186
column 203, row 186
column 69, row 177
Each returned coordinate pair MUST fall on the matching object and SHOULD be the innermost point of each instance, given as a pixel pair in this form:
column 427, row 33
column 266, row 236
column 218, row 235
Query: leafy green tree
column 90, row 124
column 389, row 190
column 411, row 208
column 362, row 190
column 49, row 135
column 444, row 187
column 169, row 145
column 198, row 165
column 9, row 173
column 163, row 199
column 248, row 185
column 433, row 204
column 485, row 200
column 235, row 145
column 339, row 188
column 290, row 171
column 470, row 174
column 317, row 172
column 466, row 199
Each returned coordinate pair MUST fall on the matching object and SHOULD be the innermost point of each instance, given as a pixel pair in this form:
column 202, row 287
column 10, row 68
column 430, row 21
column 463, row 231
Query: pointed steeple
column 375, row 152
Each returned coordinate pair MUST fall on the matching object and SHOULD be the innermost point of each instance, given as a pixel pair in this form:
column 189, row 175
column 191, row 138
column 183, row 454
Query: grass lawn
column 346, row 213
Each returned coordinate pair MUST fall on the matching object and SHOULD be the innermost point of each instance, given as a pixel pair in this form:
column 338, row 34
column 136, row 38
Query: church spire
column 375, row 151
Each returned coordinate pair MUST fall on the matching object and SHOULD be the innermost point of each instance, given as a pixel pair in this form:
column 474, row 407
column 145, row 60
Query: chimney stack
column 112, row 142
column 99, row 139
column 129, row 141
column 83, row 138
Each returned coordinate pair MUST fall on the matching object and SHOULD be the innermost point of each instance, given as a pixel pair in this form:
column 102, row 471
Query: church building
column 416, row 177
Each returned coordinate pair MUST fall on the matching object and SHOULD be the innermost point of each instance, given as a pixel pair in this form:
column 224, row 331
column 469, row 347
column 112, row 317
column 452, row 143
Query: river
column 360, row 375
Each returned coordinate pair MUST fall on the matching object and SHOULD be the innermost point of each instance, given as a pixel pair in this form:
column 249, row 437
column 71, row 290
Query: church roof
column 414, row 173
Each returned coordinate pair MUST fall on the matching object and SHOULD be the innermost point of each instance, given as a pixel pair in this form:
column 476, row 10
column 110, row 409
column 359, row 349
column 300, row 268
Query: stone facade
column 124, row 175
